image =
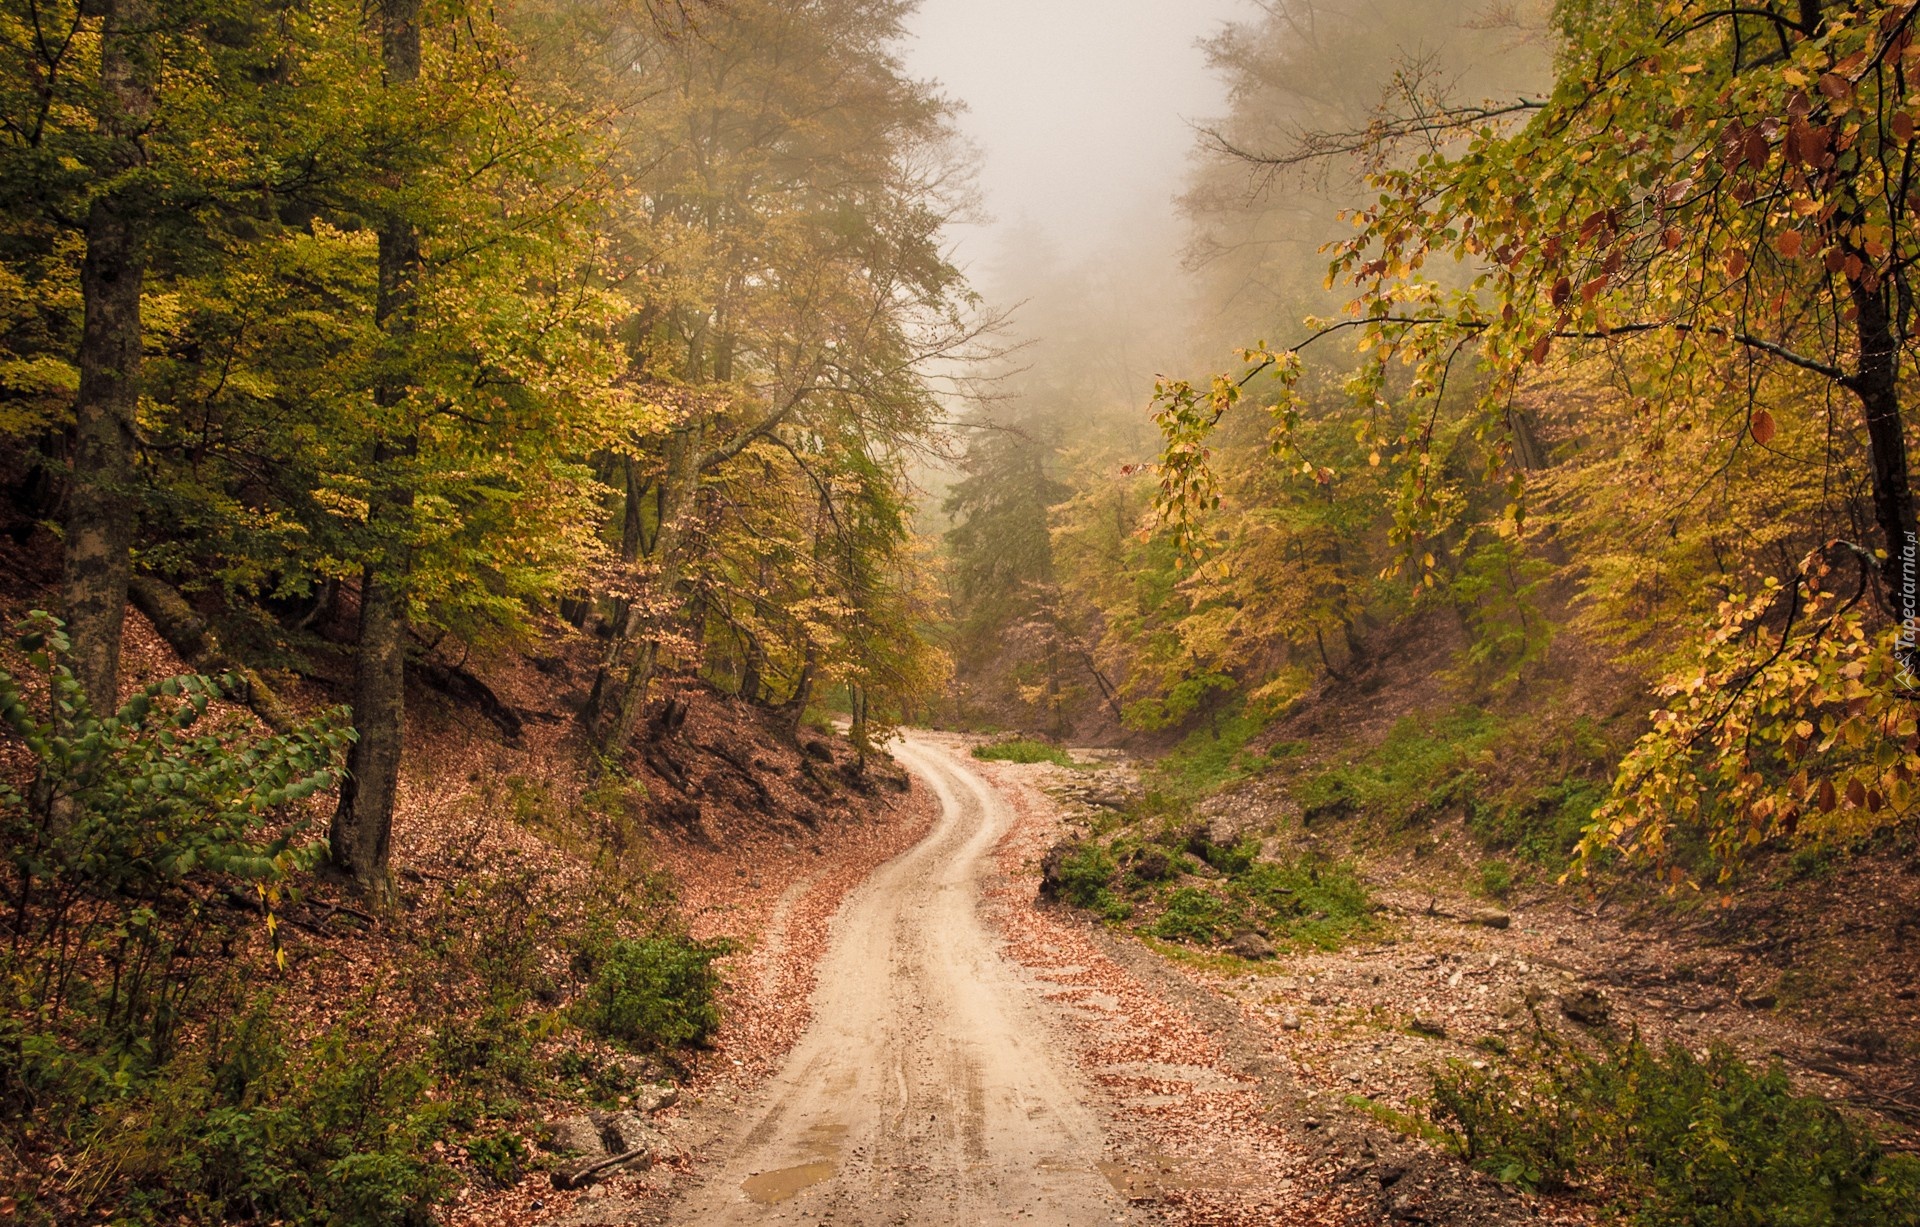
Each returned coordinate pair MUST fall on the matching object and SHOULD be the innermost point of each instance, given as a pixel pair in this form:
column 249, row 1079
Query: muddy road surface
column 926, row 1089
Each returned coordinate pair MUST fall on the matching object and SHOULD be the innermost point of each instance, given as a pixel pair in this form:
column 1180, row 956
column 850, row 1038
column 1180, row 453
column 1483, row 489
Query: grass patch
column 1210, row 758
column 1400, row 1122
column 1195, row 915
column 1665, row 1139
column 1309, row 901
column 1023, row 750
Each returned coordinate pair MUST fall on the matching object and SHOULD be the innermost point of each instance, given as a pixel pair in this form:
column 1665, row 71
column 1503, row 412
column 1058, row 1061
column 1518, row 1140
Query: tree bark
column 361, row 832
column 1878, row 386
column 362, row 828
column 99, row 520
column 637, row 645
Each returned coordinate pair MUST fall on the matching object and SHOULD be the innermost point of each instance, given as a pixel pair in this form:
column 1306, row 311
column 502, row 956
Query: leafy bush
column 1496, row 879
column 1307, row 900
column 1543, row 825
column 1674, row 1140
column 1022, row 750
column 498, row 1157
column 1084, row 878
column 654, row 992
column 250, row 1128
column 1195, row 915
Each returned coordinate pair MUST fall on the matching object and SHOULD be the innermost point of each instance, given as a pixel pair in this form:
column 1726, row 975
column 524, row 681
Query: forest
column 488, row 487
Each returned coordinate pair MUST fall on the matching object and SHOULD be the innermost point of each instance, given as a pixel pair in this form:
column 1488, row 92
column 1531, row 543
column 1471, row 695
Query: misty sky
column 1080, row 108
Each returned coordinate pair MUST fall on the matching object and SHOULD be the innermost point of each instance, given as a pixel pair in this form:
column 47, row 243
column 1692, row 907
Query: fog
column 1080, row 110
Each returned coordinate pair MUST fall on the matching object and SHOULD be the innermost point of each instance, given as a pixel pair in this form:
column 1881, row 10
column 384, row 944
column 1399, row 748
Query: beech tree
column 1719, row 202
column 782, row 242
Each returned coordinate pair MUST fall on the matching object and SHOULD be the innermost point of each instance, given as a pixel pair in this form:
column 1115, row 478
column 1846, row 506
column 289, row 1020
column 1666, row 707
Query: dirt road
column 926, row 1089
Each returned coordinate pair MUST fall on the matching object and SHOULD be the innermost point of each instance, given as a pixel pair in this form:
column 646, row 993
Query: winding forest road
column 925, row 1090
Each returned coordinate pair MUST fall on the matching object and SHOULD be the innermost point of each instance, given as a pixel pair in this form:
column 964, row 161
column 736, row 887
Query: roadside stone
column 655, row 1098
column 624, row 1131
column 576, row 1135
column 1588, row 1007
column 1250, row 945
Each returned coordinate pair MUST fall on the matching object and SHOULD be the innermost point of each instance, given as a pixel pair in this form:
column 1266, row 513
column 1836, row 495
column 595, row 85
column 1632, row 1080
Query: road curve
column 925, row 1090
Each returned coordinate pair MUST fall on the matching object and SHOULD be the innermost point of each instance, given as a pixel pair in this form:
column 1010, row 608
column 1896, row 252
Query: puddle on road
column 770, row 1188
column 1157, row 1174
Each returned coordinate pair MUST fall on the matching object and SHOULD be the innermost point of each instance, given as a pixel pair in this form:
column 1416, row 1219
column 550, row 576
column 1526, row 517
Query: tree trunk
column 362, row 827
column 99, row 521
column 1877, row 385
column 637, row 645
column 363, row 823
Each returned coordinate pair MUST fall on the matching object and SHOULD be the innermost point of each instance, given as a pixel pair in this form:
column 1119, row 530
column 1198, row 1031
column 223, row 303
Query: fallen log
column 581, row 1177
column 187, row 633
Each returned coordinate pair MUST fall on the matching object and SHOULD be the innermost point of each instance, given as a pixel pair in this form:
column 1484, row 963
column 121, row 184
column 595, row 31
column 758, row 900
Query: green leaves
column 132, row 802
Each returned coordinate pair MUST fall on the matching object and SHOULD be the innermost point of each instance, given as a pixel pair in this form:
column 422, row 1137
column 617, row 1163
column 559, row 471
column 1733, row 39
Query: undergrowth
column 1673, row 1139
column 162, row 1060
column 1023, row 750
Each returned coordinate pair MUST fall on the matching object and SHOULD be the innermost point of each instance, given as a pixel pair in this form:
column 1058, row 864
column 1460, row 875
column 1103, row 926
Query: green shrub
column 251, row 1129
column 1309, row 900
column 1543, row 825
column 655, row 992
column 498, row 1157
column 1085, row 878
column 1022, row 750
column 1496, row 879
column 1233, row 858
column 1195, row 915
column 1674, row 1140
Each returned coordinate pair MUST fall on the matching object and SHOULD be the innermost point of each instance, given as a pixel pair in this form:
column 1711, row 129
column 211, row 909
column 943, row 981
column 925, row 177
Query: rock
column 1759, row 1000
column 577, row 1135
column 624, row 1131
column 1586, row 1006
column 1390, row 1175
column 655, row 1098
column 1250, row 945
column 819, row 751
column 1427, row 1025
column 1491, row 918
column 1406, row 1209
column 1290, row 1022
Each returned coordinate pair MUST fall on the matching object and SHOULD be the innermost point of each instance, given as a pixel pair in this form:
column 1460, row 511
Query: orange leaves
column 1806, row 739
column 1788, row 243
column 1762, row 426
